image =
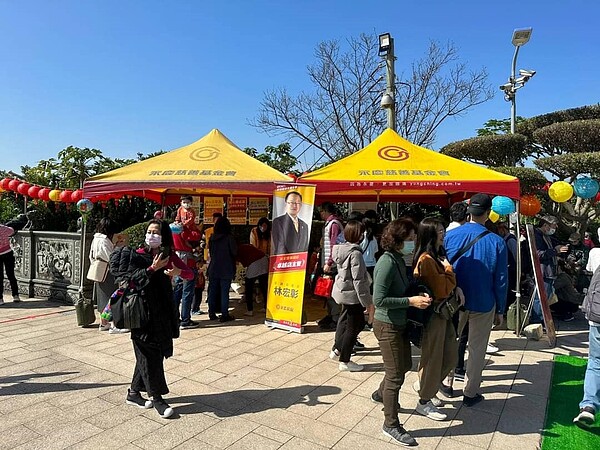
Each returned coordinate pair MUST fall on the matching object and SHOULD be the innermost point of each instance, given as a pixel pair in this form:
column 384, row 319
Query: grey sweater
column 351, row 285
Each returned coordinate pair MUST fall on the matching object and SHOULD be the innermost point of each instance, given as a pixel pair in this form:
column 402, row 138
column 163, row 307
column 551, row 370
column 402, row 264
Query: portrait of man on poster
column 289, row 232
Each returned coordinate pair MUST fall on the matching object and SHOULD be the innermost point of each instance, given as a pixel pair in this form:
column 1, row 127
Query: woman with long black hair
column 150, row 270
column 439, row 348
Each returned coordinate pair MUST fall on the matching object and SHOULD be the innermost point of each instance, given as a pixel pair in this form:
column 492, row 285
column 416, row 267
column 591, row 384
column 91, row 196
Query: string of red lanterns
column 46, row 194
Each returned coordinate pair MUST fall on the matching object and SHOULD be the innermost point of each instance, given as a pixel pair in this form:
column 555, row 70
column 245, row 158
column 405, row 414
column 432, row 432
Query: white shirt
column 593, row 260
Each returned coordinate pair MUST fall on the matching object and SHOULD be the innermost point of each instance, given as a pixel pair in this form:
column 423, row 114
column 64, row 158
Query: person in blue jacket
column 482, row 274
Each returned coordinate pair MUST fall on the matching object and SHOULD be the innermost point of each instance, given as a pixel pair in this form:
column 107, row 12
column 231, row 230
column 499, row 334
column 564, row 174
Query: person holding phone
column 150, row 269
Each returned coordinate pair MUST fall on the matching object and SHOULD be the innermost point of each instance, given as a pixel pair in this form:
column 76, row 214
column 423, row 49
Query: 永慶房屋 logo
column 393, row 153
column 204, row 154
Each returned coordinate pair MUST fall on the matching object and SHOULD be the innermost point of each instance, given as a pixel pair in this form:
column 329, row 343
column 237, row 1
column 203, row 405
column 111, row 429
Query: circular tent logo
column 393, row 153
column 204, row 154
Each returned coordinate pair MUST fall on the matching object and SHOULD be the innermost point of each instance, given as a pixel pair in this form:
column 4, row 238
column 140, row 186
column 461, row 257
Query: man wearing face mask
column 480, row 262
column 548, row 251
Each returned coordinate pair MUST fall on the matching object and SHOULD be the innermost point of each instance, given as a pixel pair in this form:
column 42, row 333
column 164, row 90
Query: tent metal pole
column 518, row 281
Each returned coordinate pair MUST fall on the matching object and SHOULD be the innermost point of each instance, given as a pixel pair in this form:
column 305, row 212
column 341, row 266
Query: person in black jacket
column 149, row 271
column 221, row 269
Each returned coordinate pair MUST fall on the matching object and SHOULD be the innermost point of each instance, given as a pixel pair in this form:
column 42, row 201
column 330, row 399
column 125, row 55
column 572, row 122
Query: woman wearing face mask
column 351, row 291
column 389, row 325
column 260, row 236
column 150, row 269
column 439, row 349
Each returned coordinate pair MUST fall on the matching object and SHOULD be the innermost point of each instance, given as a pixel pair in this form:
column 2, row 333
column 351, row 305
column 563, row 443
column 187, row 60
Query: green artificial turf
column 567, row 390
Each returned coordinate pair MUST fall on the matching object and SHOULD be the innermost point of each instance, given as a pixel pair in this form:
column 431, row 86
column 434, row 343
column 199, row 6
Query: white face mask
column 551, row 231
column 409, row 247
column 263, row 228
column 186, row 205
column 153, row 240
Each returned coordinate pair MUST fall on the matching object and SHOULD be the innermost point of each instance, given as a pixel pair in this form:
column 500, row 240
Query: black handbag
column 448, row 307
column 129, row 309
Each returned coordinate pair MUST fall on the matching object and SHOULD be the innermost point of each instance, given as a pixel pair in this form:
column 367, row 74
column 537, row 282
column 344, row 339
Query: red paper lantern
column 76, row 195
column 530, row 205
column 23, row 188
column 34, row 191
column 4, row 183
column 44, row 194
column 14, row 184
column 65, row 196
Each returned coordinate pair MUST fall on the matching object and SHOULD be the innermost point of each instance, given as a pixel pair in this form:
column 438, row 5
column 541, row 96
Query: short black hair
column 458, row 212
column 186, row 197
column 328, row 207
column 293, row 192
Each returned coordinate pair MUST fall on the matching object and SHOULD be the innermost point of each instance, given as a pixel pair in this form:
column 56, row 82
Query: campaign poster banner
column 257, row 208
column 290, row 233
column 236, row 210
column 212, row 205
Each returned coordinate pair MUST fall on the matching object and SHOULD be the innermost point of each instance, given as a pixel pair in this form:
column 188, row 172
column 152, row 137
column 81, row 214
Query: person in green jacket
column 389, row 285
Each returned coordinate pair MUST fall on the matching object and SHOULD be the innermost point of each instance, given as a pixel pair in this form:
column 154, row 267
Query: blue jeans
column 536, row 311
column 591, row 384
column 219, row 287
column 184, row 293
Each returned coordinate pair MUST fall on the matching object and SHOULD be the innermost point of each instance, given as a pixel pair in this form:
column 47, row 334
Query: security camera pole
column 388, row 102
column 520, row 38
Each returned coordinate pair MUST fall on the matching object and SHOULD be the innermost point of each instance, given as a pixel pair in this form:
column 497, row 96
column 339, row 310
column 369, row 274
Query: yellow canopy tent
column 211, row 166
column 392, row 168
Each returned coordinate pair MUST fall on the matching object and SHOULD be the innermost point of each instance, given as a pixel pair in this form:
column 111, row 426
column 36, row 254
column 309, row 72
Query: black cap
column 479, row 204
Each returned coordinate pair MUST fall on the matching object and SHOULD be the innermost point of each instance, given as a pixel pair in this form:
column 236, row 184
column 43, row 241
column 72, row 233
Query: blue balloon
column 503, row 205
column 176, row 228
column 586, row 187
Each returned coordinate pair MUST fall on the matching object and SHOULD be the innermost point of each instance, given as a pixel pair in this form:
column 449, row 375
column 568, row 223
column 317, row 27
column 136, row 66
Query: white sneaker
column 335, row 355
column 430, row 411
column 115, row 330
column 249, row 313
column 436, row 401
column 491, row 349
column 350, row 367
column 106, row 327
column 16, row 298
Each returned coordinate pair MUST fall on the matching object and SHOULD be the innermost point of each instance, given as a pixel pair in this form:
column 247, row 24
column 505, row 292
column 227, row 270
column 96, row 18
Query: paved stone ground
column 242, row 386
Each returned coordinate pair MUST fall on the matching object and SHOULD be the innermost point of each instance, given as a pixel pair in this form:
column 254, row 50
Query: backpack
column 591, row 303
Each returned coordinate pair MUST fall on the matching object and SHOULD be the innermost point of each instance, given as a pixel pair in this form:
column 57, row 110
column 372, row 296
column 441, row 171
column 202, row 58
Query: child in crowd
column 199, row 289
column 186, row 216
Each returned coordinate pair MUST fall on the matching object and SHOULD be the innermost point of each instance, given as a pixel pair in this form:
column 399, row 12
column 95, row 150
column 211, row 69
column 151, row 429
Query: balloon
column 54, row 195
column 65, row 196
column 494, row 216
column 176, row 228
column 586, row 187
column 84, row 206
column 76, row 195
column 560, row 191
column 44, row 194
column 503, row 205
column 13, row 184
column 33, row 191
column 530, row 205
column 4, row 183
column 23, row 188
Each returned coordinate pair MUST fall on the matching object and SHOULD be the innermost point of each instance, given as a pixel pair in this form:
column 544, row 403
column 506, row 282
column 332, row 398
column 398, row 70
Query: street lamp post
column 520, row 37
column 388, row 101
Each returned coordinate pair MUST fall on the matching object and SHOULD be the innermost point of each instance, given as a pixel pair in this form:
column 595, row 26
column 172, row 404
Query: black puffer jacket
column 156, row 289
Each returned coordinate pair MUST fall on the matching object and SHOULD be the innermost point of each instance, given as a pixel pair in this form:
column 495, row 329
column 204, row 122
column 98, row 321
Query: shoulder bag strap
column 466, row 248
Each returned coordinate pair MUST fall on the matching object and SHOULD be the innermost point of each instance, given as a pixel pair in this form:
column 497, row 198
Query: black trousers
column 350, row 324
column 263, row 285
column 149, row 372
column 7, row 262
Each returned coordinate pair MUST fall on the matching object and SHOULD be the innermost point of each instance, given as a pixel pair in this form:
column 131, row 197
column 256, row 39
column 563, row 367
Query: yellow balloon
column 54, row 195
column 494, row 216
column 560, row 191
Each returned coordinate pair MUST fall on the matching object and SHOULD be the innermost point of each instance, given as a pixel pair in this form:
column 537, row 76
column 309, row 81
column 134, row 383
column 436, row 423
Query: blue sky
column 140, row 76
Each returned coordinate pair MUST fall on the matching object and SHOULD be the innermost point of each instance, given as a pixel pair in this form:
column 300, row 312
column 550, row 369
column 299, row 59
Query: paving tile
column 300, row 444
column 61, row 438
column 272, row 434
column 253, row 441
column 227, row 431
column 347, row 412
column 15, row 436
column 473, row 427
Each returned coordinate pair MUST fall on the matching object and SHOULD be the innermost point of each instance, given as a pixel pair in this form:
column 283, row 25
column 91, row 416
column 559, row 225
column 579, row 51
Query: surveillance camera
column 527, row 73
column 506, row 87
column 387, row 101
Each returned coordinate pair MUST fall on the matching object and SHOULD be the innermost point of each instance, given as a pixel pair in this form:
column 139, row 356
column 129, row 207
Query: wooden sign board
column 539, row 284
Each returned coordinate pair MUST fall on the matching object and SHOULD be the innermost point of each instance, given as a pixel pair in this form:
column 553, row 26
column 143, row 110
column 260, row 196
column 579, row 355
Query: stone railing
column 48, row 265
